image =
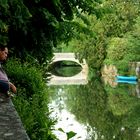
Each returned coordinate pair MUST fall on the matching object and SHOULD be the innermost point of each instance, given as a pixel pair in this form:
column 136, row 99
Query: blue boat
column 127, row 81
column 127, row 78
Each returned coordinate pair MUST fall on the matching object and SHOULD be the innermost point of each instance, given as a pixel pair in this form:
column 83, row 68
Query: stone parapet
column 11, row 127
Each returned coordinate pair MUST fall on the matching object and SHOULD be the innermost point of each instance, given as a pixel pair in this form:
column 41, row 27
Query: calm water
column 97, row 111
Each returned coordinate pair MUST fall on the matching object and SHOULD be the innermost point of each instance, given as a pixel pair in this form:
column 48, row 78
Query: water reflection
column 65, row 68
column 66, row 120
column 138, row 90
column 97, row 111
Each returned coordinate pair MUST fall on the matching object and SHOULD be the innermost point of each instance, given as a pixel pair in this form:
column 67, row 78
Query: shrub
column 31, row 99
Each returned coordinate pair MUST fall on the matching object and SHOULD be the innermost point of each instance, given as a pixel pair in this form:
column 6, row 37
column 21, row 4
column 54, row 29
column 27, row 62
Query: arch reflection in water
column 65, row 68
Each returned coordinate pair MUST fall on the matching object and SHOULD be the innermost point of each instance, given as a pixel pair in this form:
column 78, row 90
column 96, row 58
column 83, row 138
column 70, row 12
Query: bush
column 117, row 54
column 31, row 99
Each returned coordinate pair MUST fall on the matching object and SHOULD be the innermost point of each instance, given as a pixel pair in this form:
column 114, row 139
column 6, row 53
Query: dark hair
column 2, row 47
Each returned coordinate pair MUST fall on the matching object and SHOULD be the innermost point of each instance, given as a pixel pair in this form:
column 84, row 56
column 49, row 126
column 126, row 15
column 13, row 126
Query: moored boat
column 127, row 81
column 127, row 78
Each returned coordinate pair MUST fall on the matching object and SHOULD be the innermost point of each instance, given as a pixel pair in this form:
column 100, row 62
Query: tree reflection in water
column 102, row 111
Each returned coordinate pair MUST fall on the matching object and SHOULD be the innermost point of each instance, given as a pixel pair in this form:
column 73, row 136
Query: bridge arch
column 80, row 78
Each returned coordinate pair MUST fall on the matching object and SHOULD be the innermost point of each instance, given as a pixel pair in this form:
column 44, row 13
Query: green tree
column 34, row 27
column 115, row 21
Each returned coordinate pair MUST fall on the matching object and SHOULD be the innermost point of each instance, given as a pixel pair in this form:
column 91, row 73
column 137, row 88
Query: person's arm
column 12, row 87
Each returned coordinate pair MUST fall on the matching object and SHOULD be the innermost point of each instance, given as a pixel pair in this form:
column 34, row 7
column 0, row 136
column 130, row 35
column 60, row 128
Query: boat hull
column 127, row 78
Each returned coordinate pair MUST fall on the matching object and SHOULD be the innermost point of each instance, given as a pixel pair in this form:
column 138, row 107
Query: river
column 96, row 111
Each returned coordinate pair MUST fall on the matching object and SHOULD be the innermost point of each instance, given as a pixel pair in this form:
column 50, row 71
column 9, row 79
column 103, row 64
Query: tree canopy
column 34, row 27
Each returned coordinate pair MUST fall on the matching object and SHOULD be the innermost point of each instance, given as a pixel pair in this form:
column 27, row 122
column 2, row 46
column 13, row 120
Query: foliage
column 122, row 48
column 134, row 41
column 34, row 27
column 112, row 24
column 113, row 37
column 90, row 46
column 116, row 52
column 120, row 16
column 117, row 101
column 117, row 49
column 31, row 99
column 122, row 51
column 69, row 134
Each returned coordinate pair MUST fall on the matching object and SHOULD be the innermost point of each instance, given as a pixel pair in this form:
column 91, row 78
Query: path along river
column 96, row 111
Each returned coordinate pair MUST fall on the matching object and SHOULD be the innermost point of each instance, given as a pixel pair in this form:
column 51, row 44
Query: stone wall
column 11, row 127
column 108, row 75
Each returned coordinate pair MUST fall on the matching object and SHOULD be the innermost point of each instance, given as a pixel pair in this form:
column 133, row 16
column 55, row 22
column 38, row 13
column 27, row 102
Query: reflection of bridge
column 80, row 78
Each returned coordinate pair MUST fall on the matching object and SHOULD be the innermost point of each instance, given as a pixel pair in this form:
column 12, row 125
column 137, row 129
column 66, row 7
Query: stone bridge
column 80, row 78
